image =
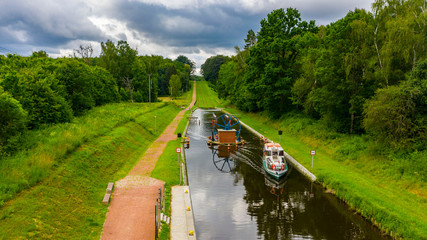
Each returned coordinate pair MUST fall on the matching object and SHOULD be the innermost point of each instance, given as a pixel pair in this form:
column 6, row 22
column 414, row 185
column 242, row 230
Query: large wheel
column 227, row 122
column 223, row 164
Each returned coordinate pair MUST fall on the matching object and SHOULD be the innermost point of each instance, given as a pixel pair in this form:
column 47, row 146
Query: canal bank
column 289, row 158
column 248, row 200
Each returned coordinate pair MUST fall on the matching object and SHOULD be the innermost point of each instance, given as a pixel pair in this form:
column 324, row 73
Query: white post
column 155, row 130
column 312, row 158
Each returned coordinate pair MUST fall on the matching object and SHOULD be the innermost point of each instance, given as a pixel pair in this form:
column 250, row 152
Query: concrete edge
column 292, row 161
column 182, row 219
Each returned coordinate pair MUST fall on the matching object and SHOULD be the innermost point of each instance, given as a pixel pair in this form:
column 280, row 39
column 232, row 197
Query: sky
column 197, row 29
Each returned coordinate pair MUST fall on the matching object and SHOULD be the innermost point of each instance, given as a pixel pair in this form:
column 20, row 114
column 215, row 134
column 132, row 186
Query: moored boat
column 274, row 160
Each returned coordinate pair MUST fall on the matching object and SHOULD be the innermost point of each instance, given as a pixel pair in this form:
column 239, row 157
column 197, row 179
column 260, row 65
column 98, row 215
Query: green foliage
column 398, row 114
column 75, row 161
column 183, row 59
column 79, row 83
column 175, row 86
column 104, row 90
column 264, row 72
column 329, row 72
column 13, row 117
column 41, row 96
column 211, row 67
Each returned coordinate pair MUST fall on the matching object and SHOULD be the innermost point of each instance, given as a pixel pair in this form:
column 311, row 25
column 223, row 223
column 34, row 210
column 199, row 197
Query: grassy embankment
column 63, row 174
column 182, row 100
column 205, row 99
column 168, row 168
column 386, row 192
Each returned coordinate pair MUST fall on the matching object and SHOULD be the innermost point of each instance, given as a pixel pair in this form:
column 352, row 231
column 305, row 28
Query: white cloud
column 181, row 4
column 256, row 6
column 184, row 25
column 197, row 29
column 18, row 35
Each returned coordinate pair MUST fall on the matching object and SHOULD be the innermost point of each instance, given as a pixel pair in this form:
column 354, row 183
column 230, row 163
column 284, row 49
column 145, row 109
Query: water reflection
column 222, row 159
column 233, row 198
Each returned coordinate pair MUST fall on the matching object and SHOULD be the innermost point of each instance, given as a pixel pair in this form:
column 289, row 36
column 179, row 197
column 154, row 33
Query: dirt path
column 131, row 211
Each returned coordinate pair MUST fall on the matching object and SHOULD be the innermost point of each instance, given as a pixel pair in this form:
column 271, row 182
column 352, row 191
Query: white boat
column 274, row 160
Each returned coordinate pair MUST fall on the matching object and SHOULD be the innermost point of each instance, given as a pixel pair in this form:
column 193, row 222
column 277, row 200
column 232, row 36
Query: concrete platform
column 182, row 220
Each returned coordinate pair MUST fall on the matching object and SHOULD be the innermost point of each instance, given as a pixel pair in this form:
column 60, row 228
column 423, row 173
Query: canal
column 233, row 198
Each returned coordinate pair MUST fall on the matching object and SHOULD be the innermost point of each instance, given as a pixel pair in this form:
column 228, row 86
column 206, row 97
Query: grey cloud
column 221, row 26
column 50, row 24
column 44, row 24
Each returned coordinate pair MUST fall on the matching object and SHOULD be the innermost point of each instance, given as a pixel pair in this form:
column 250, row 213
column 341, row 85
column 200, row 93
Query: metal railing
column 158, row 208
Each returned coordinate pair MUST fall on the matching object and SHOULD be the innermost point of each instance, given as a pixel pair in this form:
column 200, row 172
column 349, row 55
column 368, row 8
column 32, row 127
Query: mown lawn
column 206, row 97
column 77, row 160
column 358, row 175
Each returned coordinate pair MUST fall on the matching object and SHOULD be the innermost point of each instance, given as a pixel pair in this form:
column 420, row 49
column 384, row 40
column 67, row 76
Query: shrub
column 13, row 117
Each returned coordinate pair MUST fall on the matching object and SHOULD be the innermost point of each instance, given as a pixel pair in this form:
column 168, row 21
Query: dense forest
column 365, row 73
column 39, row 90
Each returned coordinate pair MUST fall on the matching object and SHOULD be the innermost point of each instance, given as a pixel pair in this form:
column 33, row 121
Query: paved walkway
column 131, row 211
column 182, row 217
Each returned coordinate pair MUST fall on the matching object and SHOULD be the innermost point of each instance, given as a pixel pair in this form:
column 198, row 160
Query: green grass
column 206, row 97
column 83, row 157
column 168, row 170
column 352, row 167
column 182, row 101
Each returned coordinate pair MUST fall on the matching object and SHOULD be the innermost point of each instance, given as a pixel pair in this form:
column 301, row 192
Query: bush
column 13, row 117
column 397, row 114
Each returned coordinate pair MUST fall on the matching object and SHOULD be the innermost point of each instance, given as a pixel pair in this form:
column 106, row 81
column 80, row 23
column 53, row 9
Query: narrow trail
column 131, row 211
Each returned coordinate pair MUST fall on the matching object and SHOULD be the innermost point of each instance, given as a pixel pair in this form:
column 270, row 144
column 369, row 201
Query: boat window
column 275, row 153
column 268, row 153
column 281, row 153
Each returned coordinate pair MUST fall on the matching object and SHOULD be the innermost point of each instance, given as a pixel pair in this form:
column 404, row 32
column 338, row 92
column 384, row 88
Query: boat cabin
column 273, row 153
column 273, row 150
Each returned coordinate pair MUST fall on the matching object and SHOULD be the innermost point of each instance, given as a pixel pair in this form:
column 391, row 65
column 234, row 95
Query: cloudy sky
column 197, row 29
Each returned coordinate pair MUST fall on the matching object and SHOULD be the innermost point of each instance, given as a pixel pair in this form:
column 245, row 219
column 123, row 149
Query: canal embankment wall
column 290, row 159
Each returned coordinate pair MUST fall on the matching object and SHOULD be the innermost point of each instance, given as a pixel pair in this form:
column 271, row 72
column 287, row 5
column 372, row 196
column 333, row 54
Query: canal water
column 233, row 198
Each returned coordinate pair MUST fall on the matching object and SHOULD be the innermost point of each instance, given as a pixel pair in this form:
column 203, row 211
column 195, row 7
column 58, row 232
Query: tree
column 183, row 59
column 108, row 58
column 397, row 115
column 85, row 53
column 13, row 117
column 40, row 53
column 211, row 67
column 271, row 63
column 400, row 37
column 105, row 89
column 250, row 39
column 77, row 79
column 119, row 60
column 175, row 86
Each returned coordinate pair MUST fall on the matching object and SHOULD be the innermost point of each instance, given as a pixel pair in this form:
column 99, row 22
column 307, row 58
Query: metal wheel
column 227, row 122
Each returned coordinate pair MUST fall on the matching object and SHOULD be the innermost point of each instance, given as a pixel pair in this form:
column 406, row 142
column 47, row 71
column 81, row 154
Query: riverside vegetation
column 353, row 167
column 72, row 165
column 355, row 90
column 68, row 128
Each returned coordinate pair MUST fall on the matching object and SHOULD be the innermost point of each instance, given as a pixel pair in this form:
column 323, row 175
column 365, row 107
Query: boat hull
column 278, row 173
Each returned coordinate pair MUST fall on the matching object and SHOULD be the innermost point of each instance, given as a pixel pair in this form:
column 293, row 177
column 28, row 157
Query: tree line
column 38, row 90
column 366, row 72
